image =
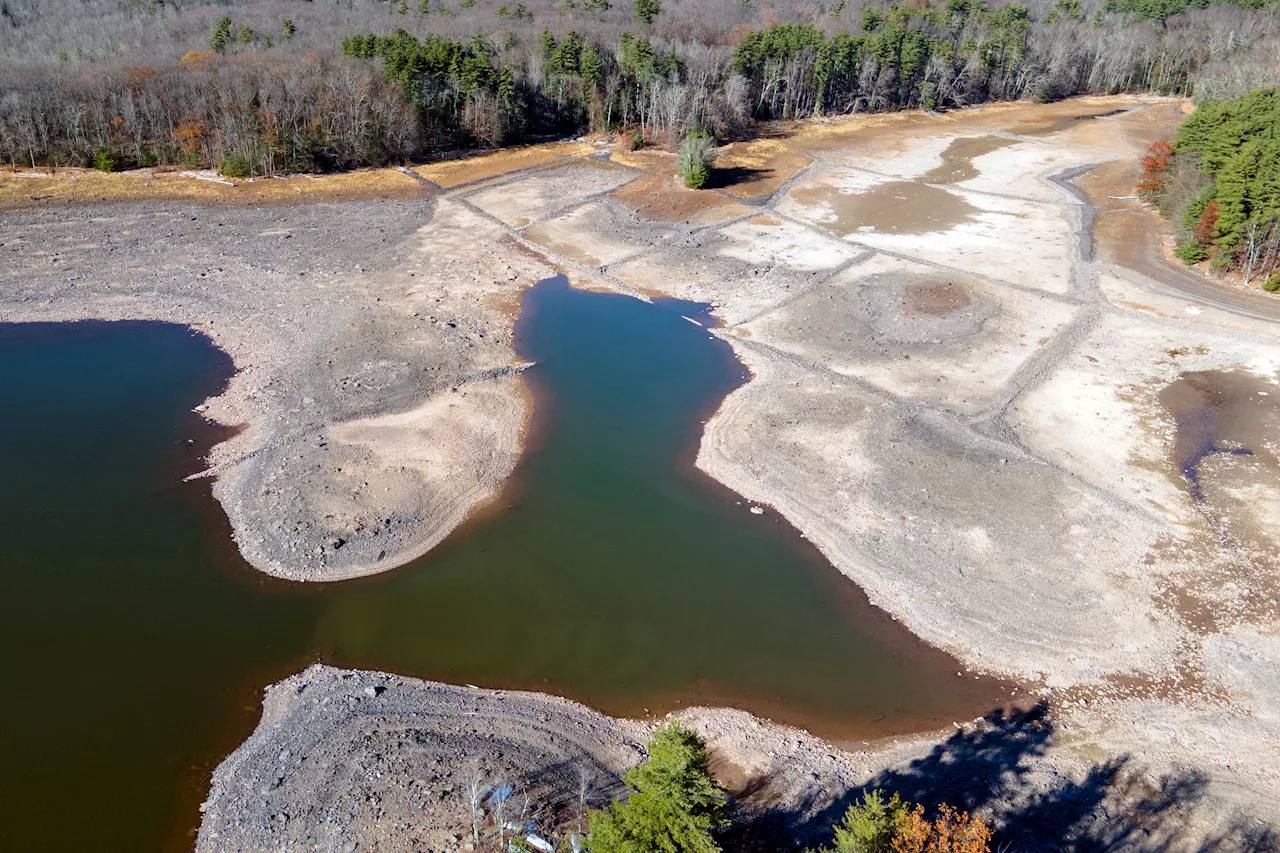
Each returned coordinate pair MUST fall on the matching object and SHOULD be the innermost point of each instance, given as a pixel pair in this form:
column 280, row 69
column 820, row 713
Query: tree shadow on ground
column 997, row 770
column 728, row 176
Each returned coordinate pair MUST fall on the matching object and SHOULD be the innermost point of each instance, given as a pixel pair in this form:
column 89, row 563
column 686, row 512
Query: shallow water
column 893, row 207
column 957, row 159
column 137, row 642
column 1220, row 411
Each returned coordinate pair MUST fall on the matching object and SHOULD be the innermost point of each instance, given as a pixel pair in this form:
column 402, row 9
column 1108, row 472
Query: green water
column 136, row 642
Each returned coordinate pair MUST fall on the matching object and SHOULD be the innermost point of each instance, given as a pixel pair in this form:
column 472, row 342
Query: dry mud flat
column 1041, row 449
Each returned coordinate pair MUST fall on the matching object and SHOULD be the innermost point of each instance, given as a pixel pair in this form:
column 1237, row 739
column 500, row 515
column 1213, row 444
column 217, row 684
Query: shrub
column 1272, row 284
column 630, row 141
column 869, row 826
column 1190, row 252
column 674, row 805
column 147, row 159
column 1155, row 163
column 234, row 166
column 693, row 163
column 877, row 825
column 105, row 160
column 1045, row 92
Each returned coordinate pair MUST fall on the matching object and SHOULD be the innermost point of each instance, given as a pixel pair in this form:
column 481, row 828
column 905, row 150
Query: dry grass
column 20, row 188
column 454, row 173
column 758, row 168
column 648, row 159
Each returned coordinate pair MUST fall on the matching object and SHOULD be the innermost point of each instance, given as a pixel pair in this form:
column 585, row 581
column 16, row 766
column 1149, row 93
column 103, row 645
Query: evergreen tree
column 647, row 10
column 592, row 65
column 222, row 34
column 674, row 804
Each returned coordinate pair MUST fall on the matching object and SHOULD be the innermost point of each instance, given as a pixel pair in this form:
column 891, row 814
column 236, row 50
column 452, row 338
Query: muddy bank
column 376, row 391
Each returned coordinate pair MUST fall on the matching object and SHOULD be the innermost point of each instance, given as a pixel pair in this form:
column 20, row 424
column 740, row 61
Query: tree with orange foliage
column 950, row 832
column 877, row 825
column 1155, row 165
column 1206, row 230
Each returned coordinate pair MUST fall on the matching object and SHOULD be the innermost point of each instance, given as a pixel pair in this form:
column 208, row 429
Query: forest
column 316, row 85
column 1219, row 181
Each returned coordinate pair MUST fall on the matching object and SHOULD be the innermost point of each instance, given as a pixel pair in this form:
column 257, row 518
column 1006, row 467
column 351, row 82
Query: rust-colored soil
column 758, row 168
column 935, row 298
column 664, row 200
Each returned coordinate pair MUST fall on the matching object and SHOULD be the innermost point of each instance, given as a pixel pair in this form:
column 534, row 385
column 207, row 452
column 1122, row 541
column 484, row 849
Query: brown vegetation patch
column 655, row 198
column 648, row 160
column 756, row 169
column 25, row 188
column 454, row 173
column 935, row 298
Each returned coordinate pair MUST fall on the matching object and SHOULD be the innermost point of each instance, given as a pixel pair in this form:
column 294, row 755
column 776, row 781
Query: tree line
column 287, row 85
column 1219, row 181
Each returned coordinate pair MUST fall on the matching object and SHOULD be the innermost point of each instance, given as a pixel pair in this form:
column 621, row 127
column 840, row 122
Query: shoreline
column 1002, row 493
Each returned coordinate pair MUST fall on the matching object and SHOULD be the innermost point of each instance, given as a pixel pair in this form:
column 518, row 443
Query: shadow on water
column 137, row 642
column 996, row 770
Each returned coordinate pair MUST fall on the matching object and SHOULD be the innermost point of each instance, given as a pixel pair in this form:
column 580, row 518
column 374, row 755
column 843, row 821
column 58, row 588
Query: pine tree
column 592, row 65
column 222, row 34
column 289, row 28
column 647, row 10
column 546, row 47
column 675, row 803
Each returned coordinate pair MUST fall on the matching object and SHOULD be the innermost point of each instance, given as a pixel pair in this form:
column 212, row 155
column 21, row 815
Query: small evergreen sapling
column 693, row 163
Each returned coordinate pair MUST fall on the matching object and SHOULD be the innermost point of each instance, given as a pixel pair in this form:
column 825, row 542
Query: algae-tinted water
column 136, row 641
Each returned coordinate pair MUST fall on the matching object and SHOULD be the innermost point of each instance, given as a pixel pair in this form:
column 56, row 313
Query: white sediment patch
column 1023, row 170
column 743, row 269
column 1098, row 415
column 542, row 194
column 908, row 160
column 1009, row 239
column 878, row 321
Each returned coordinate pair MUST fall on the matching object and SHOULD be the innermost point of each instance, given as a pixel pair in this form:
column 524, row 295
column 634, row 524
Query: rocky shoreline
column 377, row 393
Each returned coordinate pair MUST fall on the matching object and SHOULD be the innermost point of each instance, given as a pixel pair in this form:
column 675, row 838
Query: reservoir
column 136, row 642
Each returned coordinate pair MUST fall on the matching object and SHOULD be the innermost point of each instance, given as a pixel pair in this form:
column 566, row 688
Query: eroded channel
column 611, row 571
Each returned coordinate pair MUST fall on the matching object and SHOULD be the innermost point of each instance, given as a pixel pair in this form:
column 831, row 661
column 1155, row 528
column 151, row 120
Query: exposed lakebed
column 610, row 571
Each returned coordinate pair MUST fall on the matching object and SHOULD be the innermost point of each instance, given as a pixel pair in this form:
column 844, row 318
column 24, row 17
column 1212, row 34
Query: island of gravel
column 968, row 355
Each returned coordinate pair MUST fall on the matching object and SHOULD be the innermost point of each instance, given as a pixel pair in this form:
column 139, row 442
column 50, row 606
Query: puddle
column 1036, row 128
column 894, row 207
column 957, row 160
column 935, row 298
column 1220, row 411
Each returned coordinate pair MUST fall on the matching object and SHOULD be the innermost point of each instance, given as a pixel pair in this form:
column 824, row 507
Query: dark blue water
column 136, row 642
